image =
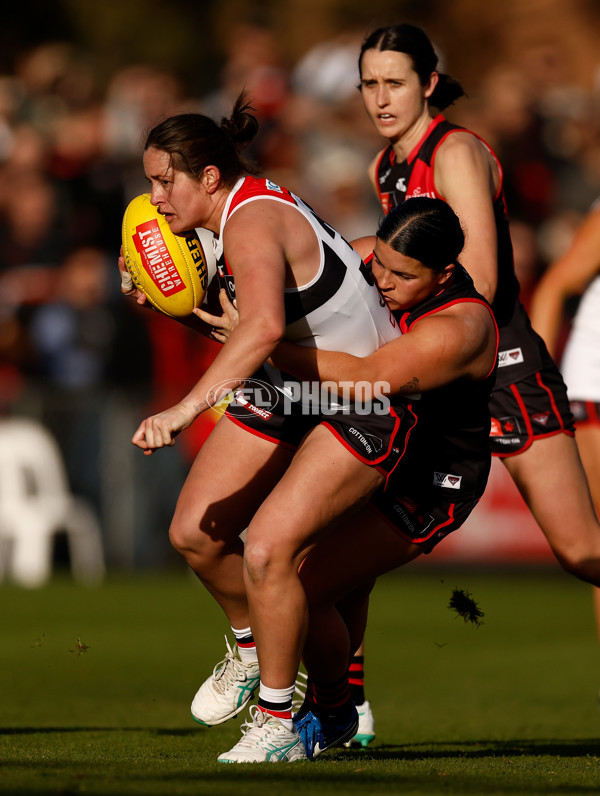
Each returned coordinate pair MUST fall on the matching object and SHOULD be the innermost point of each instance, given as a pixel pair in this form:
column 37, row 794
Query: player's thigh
column 588, row 442
column 323, row 482
column 232, row 474
column 551, row 478
column 352, row 556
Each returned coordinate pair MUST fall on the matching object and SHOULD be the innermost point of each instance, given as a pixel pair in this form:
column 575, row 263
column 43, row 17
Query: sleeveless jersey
column 340, row 309
column 581, row 358
column 450, row 443
column 580, row 364
column 522, row 352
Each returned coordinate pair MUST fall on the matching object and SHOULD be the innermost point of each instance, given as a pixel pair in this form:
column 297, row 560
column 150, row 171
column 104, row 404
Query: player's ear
column 211, row 178
column 446, row 274
column 430, row 87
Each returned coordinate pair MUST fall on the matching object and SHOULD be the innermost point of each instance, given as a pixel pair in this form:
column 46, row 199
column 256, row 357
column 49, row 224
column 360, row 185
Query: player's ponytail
column 194, row 141
column 446, row 92
column 242, row 126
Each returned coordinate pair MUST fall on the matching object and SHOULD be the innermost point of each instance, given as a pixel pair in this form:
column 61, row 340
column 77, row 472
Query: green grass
column 507, row 708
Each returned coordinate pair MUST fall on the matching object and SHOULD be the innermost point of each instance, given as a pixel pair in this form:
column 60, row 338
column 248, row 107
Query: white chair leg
column 85, row 543
column 30, row 564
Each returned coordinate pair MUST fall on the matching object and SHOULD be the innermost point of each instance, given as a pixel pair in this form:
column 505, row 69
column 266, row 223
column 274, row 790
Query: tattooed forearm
column 217, row 393
column 411, row 387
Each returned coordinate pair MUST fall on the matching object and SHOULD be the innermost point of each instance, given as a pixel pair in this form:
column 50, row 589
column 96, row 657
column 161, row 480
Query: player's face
column 403, row 281
column 181, row 199
column 392, row 92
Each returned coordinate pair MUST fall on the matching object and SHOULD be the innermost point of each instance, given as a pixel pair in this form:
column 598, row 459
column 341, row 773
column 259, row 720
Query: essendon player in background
column 532, row 427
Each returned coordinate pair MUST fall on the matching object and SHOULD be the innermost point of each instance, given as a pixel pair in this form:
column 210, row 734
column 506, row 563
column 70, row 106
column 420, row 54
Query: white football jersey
column 581, row 359
column 340, row 309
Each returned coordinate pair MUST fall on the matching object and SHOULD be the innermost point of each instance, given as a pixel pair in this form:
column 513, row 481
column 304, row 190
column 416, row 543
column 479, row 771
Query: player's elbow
column 270, row 332
column 265, row 332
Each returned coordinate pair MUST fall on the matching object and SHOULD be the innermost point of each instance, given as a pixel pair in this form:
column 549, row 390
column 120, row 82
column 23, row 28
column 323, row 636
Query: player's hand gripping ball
column 171, row 270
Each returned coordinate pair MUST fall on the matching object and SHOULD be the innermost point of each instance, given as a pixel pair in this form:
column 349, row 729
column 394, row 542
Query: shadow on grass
column 42, row 730
column 437, row 750
column 484, row 748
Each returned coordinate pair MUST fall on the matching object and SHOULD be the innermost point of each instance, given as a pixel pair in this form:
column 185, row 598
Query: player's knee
column 266, row 559
column 199, row 550
column 581, row 562
column 257, row 561
column 180, row 536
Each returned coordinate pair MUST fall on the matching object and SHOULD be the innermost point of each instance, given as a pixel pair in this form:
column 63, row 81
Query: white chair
column 36, row 504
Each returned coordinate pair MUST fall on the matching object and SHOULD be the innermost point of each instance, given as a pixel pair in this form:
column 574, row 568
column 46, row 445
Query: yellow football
column 173, row 271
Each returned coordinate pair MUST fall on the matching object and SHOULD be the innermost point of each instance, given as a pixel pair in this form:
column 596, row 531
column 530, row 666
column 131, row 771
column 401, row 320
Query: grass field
column 96, row 686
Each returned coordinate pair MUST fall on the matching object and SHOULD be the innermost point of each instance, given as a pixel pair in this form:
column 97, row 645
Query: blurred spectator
column 32, row 228
column 73, row 334
column 137, row 97
column 77, row 343
column 328, row 72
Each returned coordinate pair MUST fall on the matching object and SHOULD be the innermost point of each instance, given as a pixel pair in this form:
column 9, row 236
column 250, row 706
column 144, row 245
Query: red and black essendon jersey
column 452, row 432
column 397, row 181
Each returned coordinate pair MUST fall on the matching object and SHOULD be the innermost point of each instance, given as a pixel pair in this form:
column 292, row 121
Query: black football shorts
column 532, row 408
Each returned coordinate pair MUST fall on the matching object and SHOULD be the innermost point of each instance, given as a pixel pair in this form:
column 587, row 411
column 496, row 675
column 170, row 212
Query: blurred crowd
column 89, row 364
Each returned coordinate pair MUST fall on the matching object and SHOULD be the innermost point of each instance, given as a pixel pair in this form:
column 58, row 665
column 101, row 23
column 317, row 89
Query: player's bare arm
column 457, row 343
column 364, row 246
column 258, row 264
column 466, row 176
column 568, row 276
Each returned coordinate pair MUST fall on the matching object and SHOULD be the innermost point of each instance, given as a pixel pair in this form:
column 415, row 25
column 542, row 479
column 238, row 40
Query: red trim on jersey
column 493, row 154
column 445, row 307
column 404, row 327
column 383, row 200
column 258, row 188
column 431, row 127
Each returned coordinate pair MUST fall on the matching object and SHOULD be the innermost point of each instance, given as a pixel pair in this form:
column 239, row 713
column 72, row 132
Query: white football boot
column 227, row 691
column 265, row 740
column 366, row 726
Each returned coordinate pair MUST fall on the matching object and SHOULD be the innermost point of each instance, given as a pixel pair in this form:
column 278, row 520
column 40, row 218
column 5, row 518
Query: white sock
column 246, row 647
column 270, row 698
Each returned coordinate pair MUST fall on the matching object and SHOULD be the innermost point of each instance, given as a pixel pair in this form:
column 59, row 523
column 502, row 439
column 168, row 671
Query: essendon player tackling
column 532, row 426
column 439, row 374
